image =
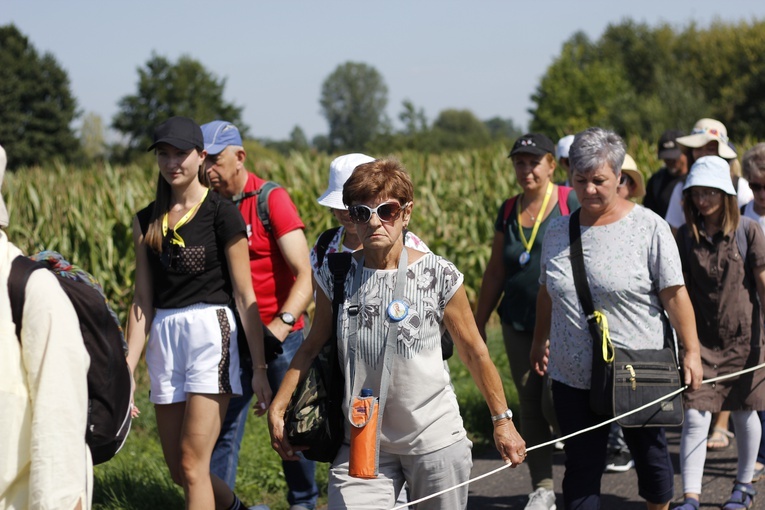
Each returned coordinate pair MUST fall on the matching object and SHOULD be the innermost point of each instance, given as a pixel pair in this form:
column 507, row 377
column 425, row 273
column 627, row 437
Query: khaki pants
column 425, row 474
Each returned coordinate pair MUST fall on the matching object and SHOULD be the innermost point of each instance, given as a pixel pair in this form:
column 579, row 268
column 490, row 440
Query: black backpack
column 109, row 380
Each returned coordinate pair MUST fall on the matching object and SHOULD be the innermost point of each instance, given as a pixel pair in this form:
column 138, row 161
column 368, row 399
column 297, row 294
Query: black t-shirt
column 198, row 272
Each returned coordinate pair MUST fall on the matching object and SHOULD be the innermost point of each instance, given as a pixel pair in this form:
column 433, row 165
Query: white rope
column 583, row 431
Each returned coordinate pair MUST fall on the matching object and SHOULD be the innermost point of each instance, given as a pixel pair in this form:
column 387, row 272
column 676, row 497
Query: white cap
column 3, row 210
column 340, row 170
column 564, row 144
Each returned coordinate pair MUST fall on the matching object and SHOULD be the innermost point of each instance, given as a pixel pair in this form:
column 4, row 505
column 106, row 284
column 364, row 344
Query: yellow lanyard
column 538, row 221
column 186, row 217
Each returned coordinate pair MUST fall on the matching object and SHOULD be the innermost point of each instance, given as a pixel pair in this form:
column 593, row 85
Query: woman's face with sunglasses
column 377, row 221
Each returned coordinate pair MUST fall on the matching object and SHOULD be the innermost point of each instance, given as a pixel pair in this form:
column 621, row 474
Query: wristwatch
column 506, row 415
column 287, row 318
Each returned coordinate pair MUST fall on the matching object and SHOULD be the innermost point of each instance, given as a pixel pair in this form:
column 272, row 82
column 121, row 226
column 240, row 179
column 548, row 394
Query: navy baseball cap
column 180, row 132
column 219, row 134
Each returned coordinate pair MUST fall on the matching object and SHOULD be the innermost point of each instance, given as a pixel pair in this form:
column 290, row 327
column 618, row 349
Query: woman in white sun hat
column 344, row 237
column 723, row 259
column 708, row 138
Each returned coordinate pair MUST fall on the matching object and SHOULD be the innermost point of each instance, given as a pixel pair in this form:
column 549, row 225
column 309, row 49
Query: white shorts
column 192, row 350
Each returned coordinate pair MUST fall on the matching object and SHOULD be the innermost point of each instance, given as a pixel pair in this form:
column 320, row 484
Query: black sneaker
column 619, row 462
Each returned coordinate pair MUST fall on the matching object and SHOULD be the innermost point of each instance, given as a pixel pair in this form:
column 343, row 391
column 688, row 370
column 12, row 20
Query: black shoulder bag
column 314, row 417
column 625, row 379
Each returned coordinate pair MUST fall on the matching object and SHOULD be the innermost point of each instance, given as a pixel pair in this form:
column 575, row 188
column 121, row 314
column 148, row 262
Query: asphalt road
column 509, row 488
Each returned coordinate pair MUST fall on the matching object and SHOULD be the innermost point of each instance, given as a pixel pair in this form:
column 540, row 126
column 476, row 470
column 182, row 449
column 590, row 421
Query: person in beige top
column 43, row 394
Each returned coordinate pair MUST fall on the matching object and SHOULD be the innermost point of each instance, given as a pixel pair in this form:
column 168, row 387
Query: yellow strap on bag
column 606, row 345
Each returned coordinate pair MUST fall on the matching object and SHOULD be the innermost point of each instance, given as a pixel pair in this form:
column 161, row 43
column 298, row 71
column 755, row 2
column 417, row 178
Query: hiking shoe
column 541, row 499
column 619, row 462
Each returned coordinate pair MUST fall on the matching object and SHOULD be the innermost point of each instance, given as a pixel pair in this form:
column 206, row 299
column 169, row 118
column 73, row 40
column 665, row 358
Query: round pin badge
column 524, row 258
column 397, row 310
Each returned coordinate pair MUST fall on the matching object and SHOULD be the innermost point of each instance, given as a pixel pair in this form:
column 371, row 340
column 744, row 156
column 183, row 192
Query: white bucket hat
column 711, row 172
column 630, row 168
column 3, row 210
column 705, row 131
column 340, row 170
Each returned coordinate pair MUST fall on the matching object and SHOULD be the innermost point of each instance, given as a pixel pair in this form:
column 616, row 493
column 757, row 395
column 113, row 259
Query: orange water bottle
column 363, row 457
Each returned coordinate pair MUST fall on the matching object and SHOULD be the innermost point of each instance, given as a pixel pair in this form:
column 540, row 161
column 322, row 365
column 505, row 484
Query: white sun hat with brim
column 3, row 210
column 630, row 168
column 340, row 170
column 709, row 130
column 710, row 172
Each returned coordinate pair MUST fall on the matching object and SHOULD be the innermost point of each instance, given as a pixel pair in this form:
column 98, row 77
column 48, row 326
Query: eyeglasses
column 387, row 212
column 704, row 194
column 756, row 187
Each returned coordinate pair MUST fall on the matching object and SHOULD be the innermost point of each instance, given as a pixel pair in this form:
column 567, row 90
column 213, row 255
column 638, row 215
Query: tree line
column 635, row 79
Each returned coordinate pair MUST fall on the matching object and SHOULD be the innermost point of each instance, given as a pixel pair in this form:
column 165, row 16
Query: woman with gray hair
column 633, row 269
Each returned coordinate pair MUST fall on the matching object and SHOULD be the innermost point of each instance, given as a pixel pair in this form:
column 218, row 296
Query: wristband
column 261, row 367
column 506, row 415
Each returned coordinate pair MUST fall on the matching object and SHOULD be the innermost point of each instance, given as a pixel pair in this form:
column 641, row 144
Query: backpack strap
column 264, row 212
column 742, row 238
column 563, row 193
column 21, row 269
column 507, row 209
column 322, row 244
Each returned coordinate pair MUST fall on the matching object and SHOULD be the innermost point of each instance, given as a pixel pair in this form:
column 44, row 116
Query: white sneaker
column 541, row 499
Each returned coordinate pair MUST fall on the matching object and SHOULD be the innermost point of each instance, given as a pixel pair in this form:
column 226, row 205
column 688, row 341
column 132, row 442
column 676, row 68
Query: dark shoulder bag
column 314, row 417
column 625, row 379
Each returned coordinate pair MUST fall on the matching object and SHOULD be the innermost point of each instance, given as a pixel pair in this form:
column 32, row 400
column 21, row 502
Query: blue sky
column 486, row 56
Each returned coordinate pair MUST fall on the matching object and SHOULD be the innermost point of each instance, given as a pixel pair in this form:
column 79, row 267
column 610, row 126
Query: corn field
column 86, row 213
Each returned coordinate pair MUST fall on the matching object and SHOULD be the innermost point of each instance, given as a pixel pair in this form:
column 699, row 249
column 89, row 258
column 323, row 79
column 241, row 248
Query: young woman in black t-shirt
column 191, row 257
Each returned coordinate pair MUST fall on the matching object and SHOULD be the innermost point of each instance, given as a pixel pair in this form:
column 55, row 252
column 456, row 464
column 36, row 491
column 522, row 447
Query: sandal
column 719, row 439
column 688, row 504
column 741, row 498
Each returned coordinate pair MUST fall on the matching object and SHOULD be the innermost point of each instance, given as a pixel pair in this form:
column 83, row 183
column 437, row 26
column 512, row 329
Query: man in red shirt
column 281, row 278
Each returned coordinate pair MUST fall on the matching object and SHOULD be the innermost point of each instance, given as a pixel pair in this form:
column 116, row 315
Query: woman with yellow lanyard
column 191, row 256
column 513, row 270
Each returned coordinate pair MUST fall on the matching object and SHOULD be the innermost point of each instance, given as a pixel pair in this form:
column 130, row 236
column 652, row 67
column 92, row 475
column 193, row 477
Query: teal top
column 518, row 305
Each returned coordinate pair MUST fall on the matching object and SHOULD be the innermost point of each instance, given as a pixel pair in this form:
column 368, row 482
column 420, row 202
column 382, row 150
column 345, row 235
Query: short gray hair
column 595, row 147
column 753, row 161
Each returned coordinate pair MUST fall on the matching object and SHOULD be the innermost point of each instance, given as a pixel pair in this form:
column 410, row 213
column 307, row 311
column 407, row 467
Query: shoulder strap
column 264, row 212
column 21, row 268
column 577, row 265
column 507, row 209
column 563, row 193
column 322, row 244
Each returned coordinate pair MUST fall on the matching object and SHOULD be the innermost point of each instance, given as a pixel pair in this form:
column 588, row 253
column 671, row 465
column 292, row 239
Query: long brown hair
column 154, row 236
column 694, row 219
